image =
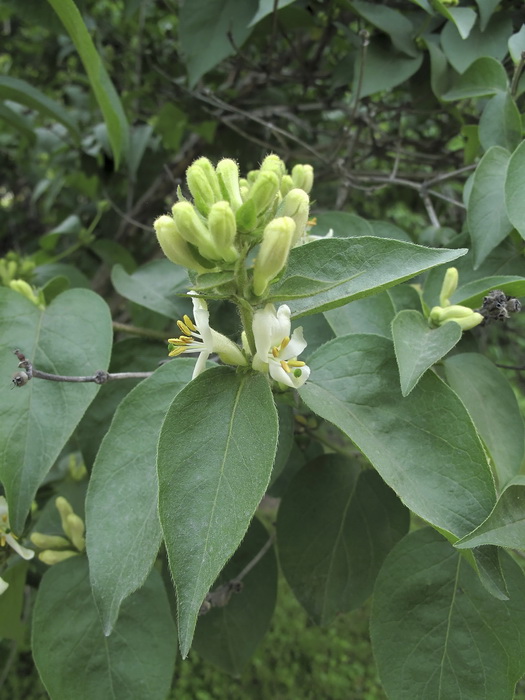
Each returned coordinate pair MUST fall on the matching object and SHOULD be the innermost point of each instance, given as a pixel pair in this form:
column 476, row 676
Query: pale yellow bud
column 194, row 230
column 296, row 205
column 228, row 173
column 273, row 253
column 49, row 541
column 223, row 228
column 50, row 557
column 173, row 245
column 76, row 529
column 449, row 286
column 303, row 177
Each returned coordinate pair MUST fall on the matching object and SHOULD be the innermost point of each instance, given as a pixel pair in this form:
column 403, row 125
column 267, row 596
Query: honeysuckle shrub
column 273, row 346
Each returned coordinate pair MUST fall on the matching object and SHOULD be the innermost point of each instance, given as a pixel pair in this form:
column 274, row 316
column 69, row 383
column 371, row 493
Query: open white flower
column 276, row 350
column 199, row 337
column 6, row 537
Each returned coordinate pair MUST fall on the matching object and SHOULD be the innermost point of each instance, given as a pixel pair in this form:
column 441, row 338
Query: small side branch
column 27, row 372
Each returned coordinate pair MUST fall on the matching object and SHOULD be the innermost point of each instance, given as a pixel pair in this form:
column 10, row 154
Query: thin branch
column 100, row 377
column 136, row 330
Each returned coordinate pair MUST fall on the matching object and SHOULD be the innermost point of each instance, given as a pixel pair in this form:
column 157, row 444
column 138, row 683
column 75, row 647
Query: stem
column 246, row 313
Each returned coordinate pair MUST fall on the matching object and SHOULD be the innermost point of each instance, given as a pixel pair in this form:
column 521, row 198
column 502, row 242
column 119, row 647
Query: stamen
column 275, row 352
column 184, row 328
column 285, row 366
column 296, row 363
column 187, row 320
column 284, row 342
column 176, row 352
column 2, row 541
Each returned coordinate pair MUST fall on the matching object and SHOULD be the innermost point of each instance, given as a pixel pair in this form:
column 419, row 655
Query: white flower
column 5, row 534
column 199, row 337
column 3, row 586
column 276, row 351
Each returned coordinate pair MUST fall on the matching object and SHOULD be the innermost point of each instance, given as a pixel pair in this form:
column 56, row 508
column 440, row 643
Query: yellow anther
column 285, row 366
column 183, row 327
column 284, row 342
column 275, row 351
column 296, row 363
column 2, row 541
column 312, row 221
column 176, row 351
column 187, row 320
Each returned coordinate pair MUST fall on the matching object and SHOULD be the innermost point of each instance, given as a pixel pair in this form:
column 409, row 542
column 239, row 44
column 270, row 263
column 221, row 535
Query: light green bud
column 194, row 230
column 223, row 228
column 465, row 317
column 274, row 164
column 50, row 556
column 203, row 195
column 227, row 350
column 264, row 190
column 296, row 204
column 228, row 173
column 468, row 322
column 49, row 541
column 25, row 289
column 65, row 509
column 455, row 311
column 174, row 246
column 252, row 176
column 76, row 529
column 273, row 253
column 449, row 286
column 246, row 217
column 287, row 184
column 303, row 177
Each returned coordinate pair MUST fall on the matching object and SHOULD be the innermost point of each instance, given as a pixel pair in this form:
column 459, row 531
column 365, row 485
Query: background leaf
column 120, row 558
column 418, row 346
column 500, row 123
column 514, row 188
column 411, row 441
column 72, row 336
column 135, row 663
column 335, row 526
column 216, row 452
column 429, row 625
column 368, row 315
column 485, row 76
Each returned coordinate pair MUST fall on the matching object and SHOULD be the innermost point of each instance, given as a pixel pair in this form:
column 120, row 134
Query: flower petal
column 22, row 551
column 3, row 586
column 200, row 365
column 296, row 345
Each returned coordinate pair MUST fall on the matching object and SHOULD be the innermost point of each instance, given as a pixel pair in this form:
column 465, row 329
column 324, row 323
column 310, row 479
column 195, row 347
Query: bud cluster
column 231, row 215
column 57, row 548
column 464, row 316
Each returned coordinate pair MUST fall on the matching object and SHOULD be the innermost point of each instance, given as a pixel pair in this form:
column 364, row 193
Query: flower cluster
column 464, row 316
column 8, row 538
column 55, row 547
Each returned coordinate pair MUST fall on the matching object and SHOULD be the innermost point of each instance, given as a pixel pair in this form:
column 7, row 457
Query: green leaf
column 382, row 69
column 205, row 30
column 385, row 229
column 139, row 140
column 121, row 557
column 404, row 296
column 437, row 633
column 103, row 89
column 461, row 53
column 342, row 224
column 19, row 91
column 329, row 273
column 317, row 331
column 486, row 9
column 72, row 336
column 412, row 441
column 369, row 315
column 462, row 17
column 228, row 636
column 485, row 76
column 492, row 405
column 472, row 293
column 158, row 285
column 336, row 525
column 514, row 188
column 18, row 121
column 486, row 215
column 517, row 44
column 505, row 526
column 394, row 23
column 267, row 7
column 12, row 622
column 418, row 346
column 439, row 68
column 500, row 123
column 286, row 439
column 216, row 450
column 135, row 663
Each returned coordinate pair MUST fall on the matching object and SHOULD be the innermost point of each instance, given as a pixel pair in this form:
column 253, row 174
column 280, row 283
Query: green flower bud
column 194, row 230
column 303, row 177
column 466, row 318
column 246, row 217
column 274, row 164
column 287, row 184
column 252, row 176
column 273, row 253
column 296, row 204
column 455, row 311
column 174, row 246
column 65, row 509
column 223, row 228
column 203, row 184
column 76, row 531
column 467, row 322
column 50, row 557
column 263, row 191
column 25, row 289
column 449, row 286
column 229, row 352
column 228, row 173
column 49, row 541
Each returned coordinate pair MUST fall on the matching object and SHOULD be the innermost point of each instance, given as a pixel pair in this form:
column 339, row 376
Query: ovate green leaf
column 514, row 188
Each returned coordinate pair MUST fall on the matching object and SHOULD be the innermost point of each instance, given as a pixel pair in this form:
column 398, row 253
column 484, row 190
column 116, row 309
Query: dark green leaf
column 215, row 456
column 228, row 636
column 411, row 441
column 472, row 293
column 382, row 69
column 372, row 314
column 514, row 188
column 17, row 121
column 394, row 23
column 505, row 526
column 335, row 527
column 71, row 337
column 463, row 17
column 329, row 273
column 76, row 660
column 492, row 405
column 103, row 89
column 485, row 76
column 267, row 7
column 120, row 557
column 12, row 624
column 486, row 215
column 342, row 224
column 500, row 123
column 418, row 346
column 437, row 633
column 461, row 52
